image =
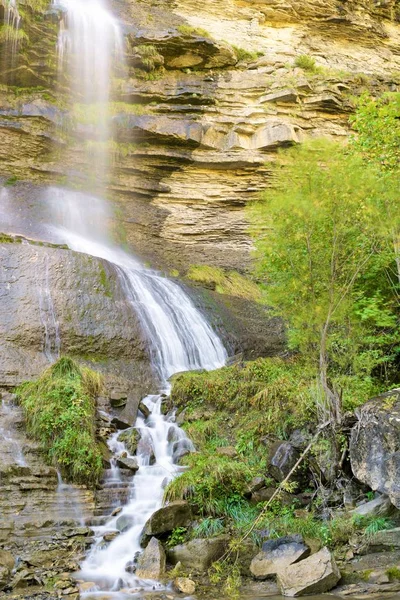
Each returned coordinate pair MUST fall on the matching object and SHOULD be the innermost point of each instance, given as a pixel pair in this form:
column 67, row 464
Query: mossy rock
column 130, row 437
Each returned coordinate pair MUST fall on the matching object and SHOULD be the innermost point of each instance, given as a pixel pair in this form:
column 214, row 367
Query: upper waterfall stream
column 179, row 337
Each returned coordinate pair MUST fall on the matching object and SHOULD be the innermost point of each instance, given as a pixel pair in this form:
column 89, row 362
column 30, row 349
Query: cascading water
column 180, row 339
column 52, row 341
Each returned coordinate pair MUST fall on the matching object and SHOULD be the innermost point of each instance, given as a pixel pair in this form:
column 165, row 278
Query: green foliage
column 243, row 54
column 8, row 239
column 11, row 34
column 326, row 267
column 307, row 63
column 11, row 180
column 60, row 412
column 378, row 524
column 224, row 282
column 207, row 528
column 178, row 536
column 393, row 573
column 188, row 30
column 150, row 58
column 377, row 124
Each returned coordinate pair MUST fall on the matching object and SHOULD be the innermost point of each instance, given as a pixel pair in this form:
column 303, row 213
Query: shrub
column 307, row 63
column 243, row 54
column 188, row 30
column 60, row 412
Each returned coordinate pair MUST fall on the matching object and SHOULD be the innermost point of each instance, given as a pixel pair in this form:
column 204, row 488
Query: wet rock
column 281, row 460
column 86, row 586
column 198, row 554
column 184, row 585
column 128, row 463
column 277, row 554
column 151, row 564
column 116, row 511
column 256, row 484
column 374, row 455
column 130, row 437
column 120, row 423
column 110, row 536
column 24, row 579
column 124, row 522
column 378, row 507
column 175, row 514
column 314, row 575
column 118, row 399
column 144, row 410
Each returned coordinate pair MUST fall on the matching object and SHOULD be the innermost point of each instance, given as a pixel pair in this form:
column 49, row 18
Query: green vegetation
column 150, row 58
column 307, row 63
column 243, row 54
column 60, row 412
column 8, row 239
column 188, row 30
column 11, row 180
column 11, row 34
column 224, row 282
column 329, row 271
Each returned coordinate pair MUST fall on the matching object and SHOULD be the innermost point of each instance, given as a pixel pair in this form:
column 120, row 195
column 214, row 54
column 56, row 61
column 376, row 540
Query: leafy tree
column 324, row 263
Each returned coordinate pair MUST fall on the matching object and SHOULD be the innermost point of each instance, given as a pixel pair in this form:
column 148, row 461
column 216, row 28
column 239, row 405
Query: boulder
column 277, row 554
column 198, row 554
column 314, row 575
column 144, row 410
column 256, row 484
column 151, row 564
column 128, row 463
column 118, row 399
column 175, row 514
column 120, row 423
column 281, row 460
column 184, row 585
column 378, row 507
column 374, row 444
column 130, row 437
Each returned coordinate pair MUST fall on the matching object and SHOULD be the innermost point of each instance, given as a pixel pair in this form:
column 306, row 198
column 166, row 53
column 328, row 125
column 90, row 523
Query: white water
column 8, row 436
column 68, row 502
column 52, row 340
column 179, row 337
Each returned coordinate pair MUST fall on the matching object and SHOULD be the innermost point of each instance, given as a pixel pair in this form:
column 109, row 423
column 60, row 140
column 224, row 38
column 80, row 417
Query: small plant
column 377, row 524
column 307, row 63
column 243, row 54
column 188, row 30
column 208, row 528
column 149, row 57
column 178, row 536
column 393, row 573
column 11, row 180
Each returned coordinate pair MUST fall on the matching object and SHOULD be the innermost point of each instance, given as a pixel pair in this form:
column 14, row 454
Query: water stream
column 179, row 337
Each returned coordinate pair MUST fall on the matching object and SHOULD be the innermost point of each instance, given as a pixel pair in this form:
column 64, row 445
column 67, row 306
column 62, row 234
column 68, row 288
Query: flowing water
column 179, row 337
column 52, row 340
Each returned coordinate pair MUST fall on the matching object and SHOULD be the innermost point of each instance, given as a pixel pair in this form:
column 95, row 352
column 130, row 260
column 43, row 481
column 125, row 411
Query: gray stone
column 378, row 507
column 4, row 576
column 120, row 423
column 282, row 458
column 199, row 554
column 314, row 575
column 130, row 437
column 128, row 463
column 151, row 564
column 277, row 554
column 6, row 559
column 374, row 445
column 228, row 451
column 144, row 410
column 386, row 539
column 167, row 518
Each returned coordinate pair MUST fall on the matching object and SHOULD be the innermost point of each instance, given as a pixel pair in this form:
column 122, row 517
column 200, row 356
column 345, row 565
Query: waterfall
column 12, row 32
column 52, row 340
column 179, row 337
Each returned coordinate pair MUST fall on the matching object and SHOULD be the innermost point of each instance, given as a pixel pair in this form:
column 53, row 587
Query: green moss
column 231, row 283
column 243, row 54
column 60, row 410
column 11, row 180
column 105, row 282
column 307, row 63
column 8, row 239
column 188, row 30
column 393, row 573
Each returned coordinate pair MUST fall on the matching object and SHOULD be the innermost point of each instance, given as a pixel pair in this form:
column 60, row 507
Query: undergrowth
column 60, row 411
column 231, row 283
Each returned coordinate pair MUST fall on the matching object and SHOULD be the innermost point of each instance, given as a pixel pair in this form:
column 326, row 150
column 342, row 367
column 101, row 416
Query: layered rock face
column 203, row 119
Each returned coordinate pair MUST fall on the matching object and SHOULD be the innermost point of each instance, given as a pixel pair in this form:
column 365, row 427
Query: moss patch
column 230, row 283
column 60, row 410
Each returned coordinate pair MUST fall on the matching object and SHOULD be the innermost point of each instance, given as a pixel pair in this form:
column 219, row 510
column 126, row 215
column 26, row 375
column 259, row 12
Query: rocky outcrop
column 374, row 445
column 167, row 518
column 314, row 575
column 57, row 301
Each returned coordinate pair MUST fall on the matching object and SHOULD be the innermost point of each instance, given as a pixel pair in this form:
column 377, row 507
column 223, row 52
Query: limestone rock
column 378, row 507
column 167, row 518
column 277, row 554
column 151, row 564
column 374, row 454
column 4, row 576
column 314, row 575
column 184, row 585
column 198, row 554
